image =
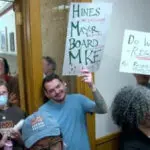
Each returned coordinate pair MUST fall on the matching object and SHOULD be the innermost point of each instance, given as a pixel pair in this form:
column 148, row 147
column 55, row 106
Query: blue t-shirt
column 71, row 116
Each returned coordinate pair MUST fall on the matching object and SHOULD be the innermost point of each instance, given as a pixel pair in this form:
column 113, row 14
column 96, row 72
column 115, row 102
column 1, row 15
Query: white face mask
column 3, row 100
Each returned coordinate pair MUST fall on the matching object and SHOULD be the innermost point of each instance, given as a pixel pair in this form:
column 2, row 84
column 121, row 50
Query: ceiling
column 4, row 5
column 7, row 0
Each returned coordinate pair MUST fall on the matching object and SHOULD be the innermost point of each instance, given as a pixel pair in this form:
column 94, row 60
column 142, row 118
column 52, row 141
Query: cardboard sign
column 86, row 34
column 136, row 53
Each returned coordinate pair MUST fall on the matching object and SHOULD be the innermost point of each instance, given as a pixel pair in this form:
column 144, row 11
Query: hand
column 87, row 78
column 13, row 98
column 3, row 140
column 15, row 134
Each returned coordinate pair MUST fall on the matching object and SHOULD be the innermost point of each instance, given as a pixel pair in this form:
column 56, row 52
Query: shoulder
column 45, row 106
column 17, row 111
column 76, row 99
column 15, row 108
column 76, row 96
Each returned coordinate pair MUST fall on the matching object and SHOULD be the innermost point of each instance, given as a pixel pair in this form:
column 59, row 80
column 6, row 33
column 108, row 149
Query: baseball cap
column 38, row 126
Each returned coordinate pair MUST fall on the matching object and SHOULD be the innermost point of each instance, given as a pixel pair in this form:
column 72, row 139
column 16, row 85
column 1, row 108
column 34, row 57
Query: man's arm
column 101, row 107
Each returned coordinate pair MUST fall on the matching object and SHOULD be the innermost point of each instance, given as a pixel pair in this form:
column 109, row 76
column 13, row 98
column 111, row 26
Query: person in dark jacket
column 9, row 117
column 131, row 112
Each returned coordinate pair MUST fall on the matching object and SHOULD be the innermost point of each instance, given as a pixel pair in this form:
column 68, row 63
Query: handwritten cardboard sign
column 86, row 34
column 136, row 53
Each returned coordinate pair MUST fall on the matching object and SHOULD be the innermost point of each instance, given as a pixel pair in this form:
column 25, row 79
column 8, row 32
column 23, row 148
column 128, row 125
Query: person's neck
column 58, row 102
column 4, row 107
column 145, row 130
column 48, row 73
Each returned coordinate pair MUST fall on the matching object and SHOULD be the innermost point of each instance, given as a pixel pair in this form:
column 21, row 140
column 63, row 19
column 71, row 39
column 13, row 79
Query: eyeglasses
column 52, row 144
column 3, row 93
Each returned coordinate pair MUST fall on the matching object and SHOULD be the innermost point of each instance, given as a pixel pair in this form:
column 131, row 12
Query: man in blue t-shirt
column 70, row 109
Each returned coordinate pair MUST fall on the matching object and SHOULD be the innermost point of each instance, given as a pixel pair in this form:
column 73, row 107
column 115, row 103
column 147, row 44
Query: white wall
column 8, row 20
column 127, row 14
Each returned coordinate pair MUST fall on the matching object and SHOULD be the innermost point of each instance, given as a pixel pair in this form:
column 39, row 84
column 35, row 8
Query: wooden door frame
column 29, row 45
column 84, row 89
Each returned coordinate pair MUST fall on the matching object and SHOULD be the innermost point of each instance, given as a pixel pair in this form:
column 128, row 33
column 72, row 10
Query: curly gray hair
column 130, row 105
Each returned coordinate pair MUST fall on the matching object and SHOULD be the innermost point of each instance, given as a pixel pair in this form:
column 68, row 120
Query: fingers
column 87, row 77
column 86, row 74
column 4, row 138
column 15, row 134
column 84, row 71
column 13, row 98
column 12, row 95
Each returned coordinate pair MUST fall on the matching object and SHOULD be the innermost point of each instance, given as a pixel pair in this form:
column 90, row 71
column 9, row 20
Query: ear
column 64, row 83
column 46, row 94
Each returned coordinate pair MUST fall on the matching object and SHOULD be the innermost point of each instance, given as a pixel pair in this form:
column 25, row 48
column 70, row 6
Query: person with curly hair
column 131, row 112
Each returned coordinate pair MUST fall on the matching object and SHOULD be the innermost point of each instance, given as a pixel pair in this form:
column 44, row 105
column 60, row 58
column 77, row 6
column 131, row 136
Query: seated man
column 131, row 112
column 41, row 132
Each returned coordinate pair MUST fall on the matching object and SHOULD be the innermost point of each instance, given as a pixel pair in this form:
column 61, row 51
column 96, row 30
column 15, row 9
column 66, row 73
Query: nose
column 56, row 91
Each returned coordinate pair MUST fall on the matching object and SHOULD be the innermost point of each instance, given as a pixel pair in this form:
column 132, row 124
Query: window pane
column 54, row 17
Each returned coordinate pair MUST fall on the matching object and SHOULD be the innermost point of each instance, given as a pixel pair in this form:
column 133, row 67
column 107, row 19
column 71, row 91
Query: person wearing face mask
column 9, row 117
column 131, row 112
column 12, row 82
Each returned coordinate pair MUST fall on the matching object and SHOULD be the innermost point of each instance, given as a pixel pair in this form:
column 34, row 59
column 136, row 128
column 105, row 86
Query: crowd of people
column 60, row 123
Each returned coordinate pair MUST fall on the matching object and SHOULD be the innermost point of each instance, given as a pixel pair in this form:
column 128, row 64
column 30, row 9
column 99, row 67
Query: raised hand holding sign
column 86, row 35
